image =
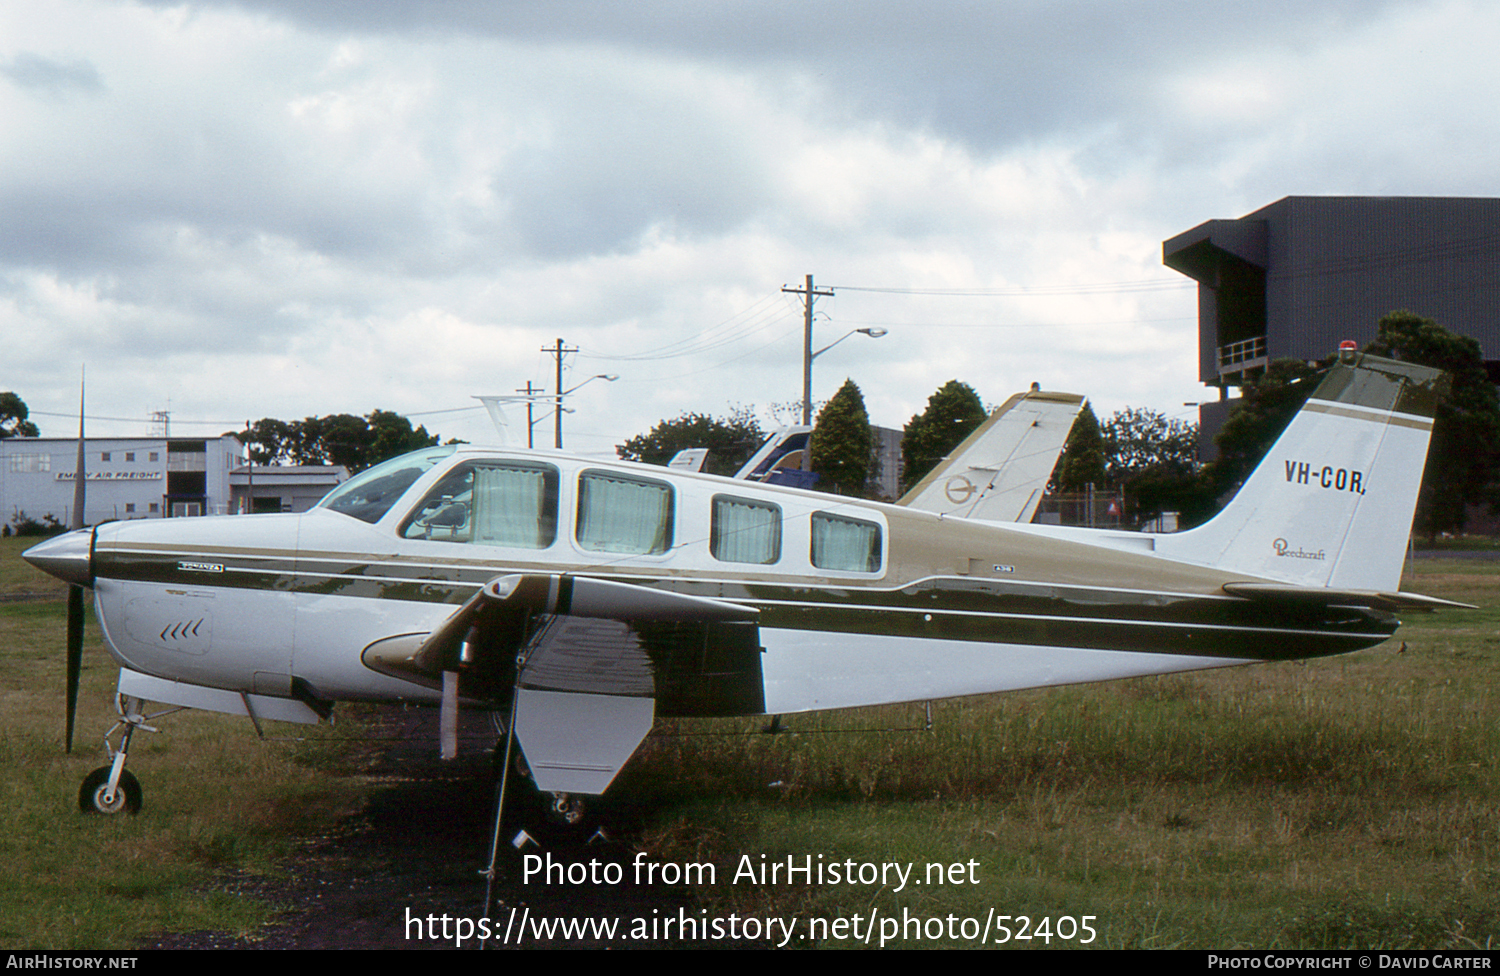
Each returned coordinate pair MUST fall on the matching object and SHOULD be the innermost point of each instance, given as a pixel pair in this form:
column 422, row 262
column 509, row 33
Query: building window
column 849, row 545
column 104, row 456
column 152, row 508
column 626, row 515
column 29, row 463
column 129, row 508
column 129, row 455
column 744, row 531
column 153, row 456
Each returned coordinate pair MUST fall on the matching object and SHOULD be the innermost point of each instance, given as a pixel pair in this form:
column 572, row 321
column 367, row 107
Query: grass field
column 1350, row 801
column 218, row 799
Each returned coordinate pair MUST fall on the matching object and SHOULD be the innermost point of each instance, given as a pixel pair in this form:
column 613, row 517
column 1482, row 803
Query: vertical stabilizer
column 1331, row 504
column 999, row 472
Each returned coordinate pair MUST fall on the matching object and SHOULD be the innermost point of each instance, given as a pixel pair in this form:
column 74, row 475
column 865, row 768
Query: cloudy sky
column 251, row 208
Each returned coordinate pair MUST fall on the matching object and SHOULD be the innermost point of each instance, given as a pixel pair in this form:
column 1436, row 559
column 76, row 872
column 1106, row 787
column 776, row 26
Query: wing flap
column 579, row 743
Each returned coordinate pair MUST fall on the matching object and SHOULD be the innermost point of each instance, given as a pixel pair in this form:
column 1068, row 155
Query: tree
column 952, row 414
column 392, row 435
column 1082, row 461
column 1153, row 459
column 354, row 442
column 1267, row 404
column 339, row 439
column 842, row 442
column 1463, row 460
column 13, row 414
column 730, row 441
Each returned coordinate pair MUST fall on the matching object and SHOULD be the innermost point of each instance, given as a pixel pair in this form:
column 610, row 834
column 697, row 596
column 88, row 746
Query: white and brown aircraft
column 585, row 598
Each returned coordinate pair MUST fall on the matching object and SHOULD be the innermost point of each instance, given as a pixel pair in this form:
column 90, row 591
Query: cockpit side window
column 490, row 503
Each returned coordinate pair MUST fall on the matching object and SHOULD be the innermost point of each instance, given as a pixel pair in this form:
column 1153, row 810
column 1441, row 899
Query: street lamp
column 530, row 397
column 807, row 362
column 557, row 428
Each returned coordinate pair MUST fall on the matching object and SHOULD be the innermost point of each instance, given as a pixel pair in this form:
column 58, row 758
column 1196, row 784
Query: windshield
column 370, row 494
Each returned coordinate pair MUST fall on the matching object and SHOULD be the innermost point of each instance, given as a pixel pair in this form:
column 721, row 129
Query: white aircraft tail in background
column 999, row 472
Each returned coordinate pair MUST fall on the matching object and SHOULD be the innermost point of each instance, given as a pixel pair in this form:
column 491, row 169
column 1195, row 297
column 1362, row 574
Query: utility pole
column 559, row 351
column 249, row 477
column 808, row 293
column 530, row 394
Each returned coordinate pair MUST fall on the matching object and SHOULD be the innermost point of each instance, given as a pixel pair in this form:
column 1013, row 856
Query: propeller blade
column 75, row 593
column 75, row 654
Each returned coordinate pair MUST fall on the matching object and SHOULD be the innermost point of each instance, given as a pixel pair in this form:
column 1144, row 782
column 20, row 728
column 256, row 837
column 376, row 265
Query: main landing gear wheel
column 94, row 796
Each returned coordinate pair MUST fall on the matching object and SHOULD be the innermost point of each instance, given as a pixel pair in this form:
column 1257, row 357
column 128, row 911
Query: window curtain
column 616, row 515
column 509, row 508
column 844, row 544
column 746, row 532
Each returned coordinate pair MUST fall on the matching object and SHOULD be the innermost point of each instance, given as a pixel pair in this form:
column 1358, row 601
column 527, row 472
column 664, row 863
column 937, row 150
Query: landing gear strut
column 113, row 789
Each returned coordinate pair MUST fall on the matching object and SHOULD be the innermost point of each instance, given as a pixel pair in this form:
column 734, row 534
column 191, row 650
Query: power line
column 137, row 420
column 1037, row 291
column 756, row 318
column 1019, row 325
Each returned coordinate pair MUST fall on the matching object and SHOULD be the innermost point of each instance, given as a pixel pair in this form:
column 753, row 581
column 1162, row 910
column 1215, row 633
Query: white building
column 291, row 488
column 127, row 477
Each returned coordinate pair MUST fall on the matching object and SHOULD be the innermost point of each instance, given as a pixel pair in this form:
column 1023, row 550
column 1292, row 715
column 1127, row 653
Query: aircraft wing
column 591, row 662
column 998, row 473
column 1323, row 596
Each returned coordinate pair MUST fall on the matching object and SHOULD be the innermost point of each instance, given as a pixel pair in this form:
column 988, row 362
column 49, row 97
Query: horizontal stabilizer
column 1318, row 595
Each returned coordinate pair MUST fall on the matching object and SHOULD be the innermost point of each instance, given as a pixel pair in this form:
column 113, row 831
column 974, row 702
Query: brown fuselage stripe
column 1019, row 612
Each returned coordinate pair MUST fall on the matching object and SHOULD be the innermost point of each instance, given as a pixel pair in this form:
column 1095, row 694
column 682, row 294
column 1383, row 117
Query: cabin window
column 490, row 504
column 845, row 544
column 620, row 514
column 744, row 531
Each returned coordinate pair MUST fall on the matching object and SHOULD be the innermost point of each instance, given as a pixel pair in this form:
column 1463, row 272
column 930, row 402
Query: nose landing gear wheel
column 94, row 796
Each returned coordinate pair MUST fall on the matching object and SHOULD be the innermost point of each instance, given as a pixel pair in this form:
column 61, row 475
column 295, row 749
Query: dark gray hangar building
column 1294, row 278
